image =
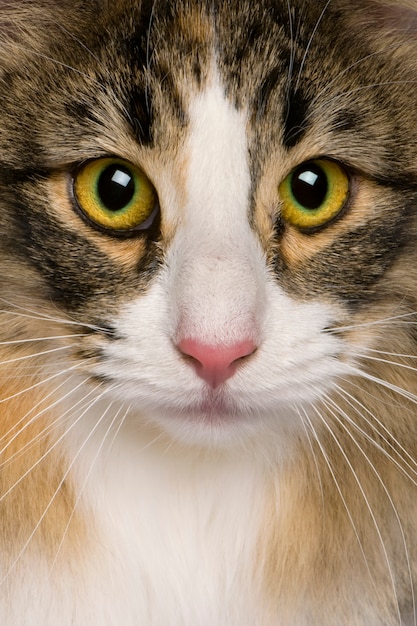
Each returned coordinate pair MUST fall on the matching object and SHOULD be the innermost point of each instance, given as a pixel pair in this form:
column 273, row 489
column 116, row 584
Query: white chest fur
column 172, row 540
column 186, row 542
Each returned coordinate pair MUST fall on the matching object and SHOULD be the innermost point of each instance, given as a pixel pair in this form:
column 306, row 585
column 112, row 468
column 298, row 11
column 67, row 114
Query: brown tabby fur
column 80, row 80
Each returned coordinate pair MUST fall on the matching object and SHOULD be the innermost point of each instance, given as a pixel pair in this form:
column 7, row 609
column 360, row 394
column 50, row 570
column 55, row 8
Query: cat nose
column 215, row 364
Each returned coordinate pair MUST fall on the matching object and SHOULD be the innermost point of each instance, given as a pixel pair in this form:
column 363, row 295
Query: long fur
column 133, row 491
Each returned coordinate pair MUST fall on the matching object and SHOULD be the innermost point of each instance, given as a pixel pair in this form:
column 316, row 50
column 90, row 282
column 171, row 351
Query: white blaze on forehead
column 216, row 260
column 218, row 172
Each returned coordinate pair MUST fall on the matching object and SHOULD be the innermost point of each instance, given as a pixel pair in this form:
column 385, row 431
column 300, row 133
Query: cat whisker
column 347, row 94
column 310, row 41
column 391, row 48
column 46, row 57
column 338, row 487
column 149, row 54
column 389, row 321
column 35, row 407
column 292, row 54
column 388, row 385
column 35, row 355
column 35, row 316
column 388, row 439
column 313, row 452
column 79, row 42
column 368, row 506
column 91, row 54
column 44, row 316
column 338, row 414
column 46, row 338
column 58, row 441
column 62, row 481
column 319, row 108
column 92, row 465
column 369, row 357
column 394, row 354
column 51, row 426
column 40, row 383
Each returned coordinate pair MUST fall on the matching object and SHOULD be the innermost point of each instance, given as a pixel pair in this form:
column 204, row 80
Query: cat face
column 217, row 202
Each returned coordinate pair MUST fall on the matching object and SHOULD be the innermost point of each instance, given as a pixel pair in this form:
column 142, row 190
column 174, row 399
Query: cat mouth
column 214, row 407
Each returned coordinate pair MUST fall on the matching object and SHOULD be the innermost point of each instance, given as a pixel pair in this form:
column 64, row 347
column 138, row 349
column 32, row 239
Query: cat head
column 216, row 202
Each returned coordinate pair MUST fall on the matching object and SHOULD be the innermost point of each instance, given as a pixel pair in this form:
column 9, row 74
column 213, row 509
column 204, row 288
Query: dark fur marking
column 295, row 125
column 266, row 89
column 101, row 327
column 345, row 121
column 351, row 268
column 171, row 92
column 81, row 111
column 139, row 107
column 137, row 47
column 79, row 272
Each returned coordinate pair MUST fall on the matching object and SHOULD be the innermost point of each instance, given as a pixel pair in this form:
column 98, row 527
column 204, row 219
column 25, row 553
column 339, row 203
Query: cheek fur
column 295, row 363
column 139, row 484
column 215, row 293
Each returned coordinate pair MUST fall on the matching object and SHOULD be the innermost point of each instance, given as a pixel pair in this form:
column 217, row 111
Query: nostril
column 216, row 363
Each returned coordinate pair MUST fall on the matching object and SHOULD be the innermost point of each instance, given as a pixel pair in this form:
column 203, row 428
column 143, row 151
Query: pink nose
column 215, row 364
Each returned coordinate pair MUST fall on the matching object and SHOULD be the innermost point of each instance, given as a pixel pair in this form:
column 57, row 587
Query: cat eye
column 114, row 195
column 314, row 194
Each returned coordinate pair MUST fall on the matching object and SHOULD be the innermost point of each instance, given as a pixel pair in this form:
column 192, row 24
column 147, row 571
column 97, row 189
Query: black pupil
column 115, row 187
column 309, row 186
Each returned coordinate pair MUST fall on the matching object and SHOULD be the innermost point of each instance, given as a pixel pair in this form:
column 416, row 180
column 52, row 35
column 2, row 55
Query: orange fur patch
column 37, row 498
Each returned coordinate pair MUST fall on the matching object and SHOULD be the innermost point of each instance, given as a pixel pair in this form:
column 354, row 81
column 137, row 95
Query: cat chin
column 208, row 433
column 207, row 425
column 216, row 424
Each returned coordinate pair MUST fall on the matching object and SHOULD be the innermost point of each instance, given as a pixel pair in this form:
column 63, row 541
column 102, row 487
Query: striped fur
column 135, row 487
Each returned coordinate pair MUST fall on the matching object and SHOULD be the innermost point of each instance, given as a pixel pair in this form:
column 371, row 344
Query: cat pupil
column 309, row 186
column 115, row 187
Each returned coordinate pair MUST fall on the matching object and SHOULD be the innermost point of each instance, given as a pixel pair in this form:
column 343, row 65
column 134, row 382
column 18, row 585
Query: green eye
column 115, row 195
column 314, row 194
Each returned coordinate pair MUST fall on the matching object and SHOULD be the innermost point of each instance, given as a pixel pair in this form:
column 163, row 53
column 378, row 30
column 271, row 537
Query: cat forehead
column 293, row 68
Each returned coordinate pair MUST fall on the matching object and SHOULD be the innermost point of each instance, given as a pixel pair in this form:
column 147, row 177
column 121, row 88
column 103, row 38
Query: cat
column 208, row 296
